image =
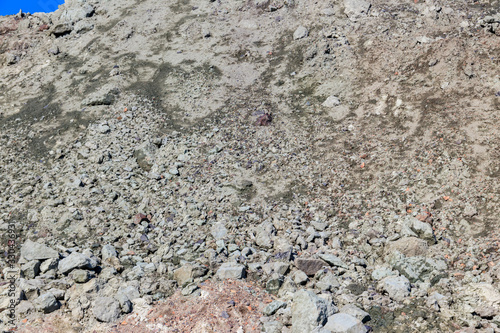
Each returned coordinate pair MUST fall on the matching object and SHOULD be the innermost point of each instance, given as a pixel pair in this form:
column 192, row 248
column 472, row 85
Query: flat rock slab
column 310, row 266
column 36, row 251
column 345, row 323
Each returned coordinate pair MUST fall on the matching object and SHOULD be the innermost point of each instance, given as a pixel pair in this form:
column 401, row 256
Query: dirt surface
column 255, row 134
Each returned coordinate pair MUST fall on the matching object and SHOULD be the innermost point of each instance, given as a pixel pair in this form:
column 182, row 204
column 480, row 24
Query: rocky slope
column 341, row 155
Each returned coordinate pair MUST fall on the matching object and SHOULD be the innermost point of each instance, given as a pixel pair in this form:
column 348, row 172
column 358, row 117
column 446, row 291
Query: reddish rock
column 138, row 218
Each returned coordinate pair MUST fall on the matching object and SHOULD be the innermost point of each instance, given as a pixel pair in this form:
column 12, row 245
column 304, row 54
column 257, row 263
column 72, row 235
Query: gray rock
column 58, row 293
column 74, row 260
column 309, row 266
column 106, row 309
column 31, row 269
column 218, row 230
column 333, row 260
column 12, row 58
column 61, row 29
column 274, row 284
column 189, row 289
column 31, row 288
column 36, row 251
column 308, row 311
column 263, row 235
column 46, row 303
column 380, row 273
column 54, row 50
column 48, row 265
column 135, row 273
column 82, row 27
column 24, row 308
column 354, row 9
column 80, row 275
column 413, row 227
column 300, row 277
column 145, row 155
column 127, row 293
column 409, row 246
column 124, row 300
column 108, row 251
column 330, row 102
column 230, row 270
column 300, row 32
column 420, row 268
column 345, row 323
column 73, row 14
column 188, row 273
column 398, row 287
column 273, row 327
column 356, row 312
column 274, row 306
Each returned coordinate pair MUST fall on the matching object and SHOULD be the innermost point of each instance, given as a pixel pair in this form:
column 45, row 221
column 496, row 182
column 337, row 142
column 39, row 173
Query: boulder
column 345, row 323
column 230, row 270
column 36, row 251
column 308, row 311
column 106, row 309
column 46, row 303
column 398, row 287
column 75, row 260
column 309, row 266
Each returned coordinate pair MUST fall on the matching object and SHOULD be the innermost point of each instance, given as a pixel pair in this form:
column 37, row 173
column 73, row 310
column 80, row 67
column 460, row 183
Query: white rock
column 345, row 323
column 331, row 102
column 301, row 32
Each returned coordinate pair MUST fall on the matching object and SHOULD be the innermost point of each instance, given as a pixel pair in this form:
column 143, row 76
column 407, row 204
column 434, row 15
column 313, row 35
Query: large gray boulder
column 36, row 251
column 308, row 311
column 108, row 251
column 398, row 287
column 345, row 323
column 75, row 260
column 333, row 260
column 230, row 270
column 46, row 303
column 106, row 309
column 355, row 9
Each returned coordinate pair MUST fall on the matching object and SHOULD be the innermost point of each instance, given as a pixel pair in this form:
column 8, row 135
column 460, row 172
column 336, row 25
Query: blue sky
column 9, row 7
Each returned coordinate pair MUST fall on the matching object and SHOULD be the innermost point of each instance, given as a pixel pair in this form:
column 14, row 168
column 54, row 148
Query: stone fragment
column 274, row 306
column 80, row 275
column 398, row 287
column 300, row 277
column 273, row 326
column 36, row 251
column 74, row 260
column 300, row 32
column 30, row 269
column 308, row 311
column 188, row 273
column 108, row 251
column 274, row 284
column 330, row 102
column 344, row 323
column 356, row 312
column 145, row 155
column 409, row 246
column 230, row 270
column 355, row 9
column 46, row 303
column 333, row 260
column 309, row 266
column 106, row 309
